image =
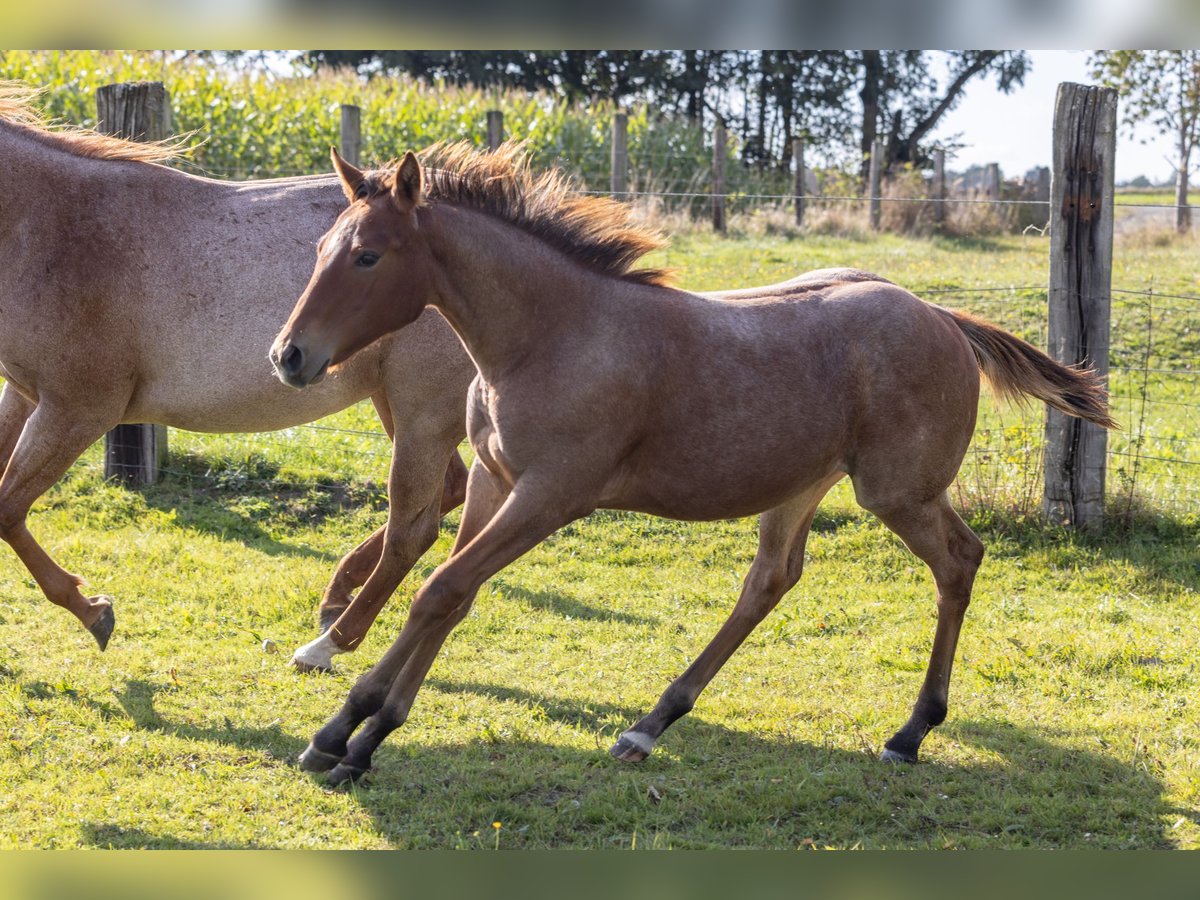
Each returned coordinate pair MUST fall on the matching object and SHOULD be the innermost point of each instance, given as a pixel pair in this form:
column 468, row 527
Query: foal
column 600, row 386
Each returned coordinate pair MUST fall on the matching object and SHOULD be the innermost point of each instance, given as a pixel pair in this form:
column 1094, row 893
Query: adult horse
column 132, row 292
column 601, row 386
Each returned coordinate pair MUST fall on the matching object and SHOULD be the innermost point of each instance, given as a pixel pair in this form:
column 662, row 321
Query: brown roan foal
column 599, row 385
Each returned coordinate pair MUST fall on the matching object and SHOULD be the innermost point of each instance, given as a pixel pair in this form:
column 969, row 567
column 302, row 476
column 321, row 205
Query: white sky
column 1014, row 130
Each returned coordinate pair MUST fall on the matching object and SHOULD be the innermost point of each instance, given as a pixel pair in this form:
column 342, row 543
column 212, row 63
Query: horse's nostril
column 292, row 359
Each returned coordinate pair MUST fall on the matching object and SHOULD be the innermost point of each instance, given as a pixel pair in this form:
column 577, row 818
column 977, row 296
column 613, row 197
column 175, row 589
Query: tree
column 1161, row 87
column 903, row 101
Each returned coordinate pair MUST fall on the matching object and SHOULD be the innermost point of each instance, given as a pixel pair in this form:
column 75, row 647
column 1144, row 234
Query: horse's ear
column 352, row 179
column 408, row 188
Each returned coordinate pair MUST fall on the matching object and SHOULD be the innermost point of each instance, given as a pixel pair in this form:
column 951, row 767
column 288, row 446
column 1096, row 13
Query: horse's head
column 372, row 277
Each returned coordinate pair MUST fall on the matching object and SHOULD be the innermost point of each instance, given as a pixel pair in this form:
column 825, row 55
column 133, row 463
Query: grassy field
column 1073, row 718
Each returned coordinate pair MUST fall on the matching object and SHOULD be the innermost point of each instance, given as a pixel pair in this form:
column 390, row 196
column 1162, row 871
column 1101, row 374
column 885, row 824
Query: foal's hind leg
column 783, row 533
column 934, row 532
column 50, row 441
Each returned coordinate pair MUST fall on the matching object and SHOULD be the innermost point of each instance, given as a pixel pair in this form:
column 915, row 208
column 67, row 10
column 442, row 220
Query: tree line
column 843, row 99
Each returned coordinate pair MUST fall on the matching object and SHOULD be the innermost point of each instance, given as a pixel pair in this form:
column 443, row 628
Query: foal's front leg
column 526, row 517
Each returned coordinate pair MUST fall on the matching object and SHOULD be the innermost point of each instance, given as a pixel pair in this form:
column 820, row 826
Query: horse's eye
column 360, row 192
column 367, row 259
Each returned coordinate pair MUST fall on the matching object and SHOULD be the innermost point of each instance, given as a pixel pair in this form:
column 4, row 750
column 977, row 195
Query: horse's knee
column 12, row 520
column 439, row 598
column 409, row 541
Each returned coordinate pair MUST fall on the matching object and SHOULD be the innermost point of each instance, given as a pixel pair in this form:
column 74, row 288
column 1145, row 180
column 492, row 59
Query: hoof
column 891, row 756
column 308, row 668
column 345, row 774
column 631, row 747
column 314, row 760
column 316, row 656
column 102, row 628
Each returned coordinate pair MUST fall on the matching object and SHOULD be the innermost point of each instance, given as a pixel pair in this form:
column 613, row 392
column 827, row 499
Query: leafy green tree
column 903, row 100
column 1161, row 87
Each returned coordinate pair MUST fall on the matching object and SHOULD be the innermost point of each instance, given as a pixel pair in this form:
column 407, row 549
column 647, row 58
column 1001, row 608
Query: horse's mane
column 599, row 232
column 17, row 105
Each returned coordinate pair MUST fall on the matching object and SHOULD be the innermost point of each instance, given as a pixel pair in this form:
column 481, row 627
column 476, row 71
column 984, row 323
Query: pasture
column 1073, row 718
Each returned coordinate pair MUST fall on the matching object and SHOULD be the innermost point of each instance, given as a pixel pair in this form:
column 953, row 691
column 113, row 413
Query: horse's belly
column 261, row 404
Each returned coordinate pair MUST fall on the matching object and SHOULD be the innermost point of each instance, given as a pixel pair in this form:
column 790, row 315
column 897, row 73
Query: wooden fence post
column 939, row 186
column 351, row 141
column 1081, row 237
column 718, row 186
column 873, row 183
column 495, row 128
column 798, row 167
column 620, row 155
column 138, row 111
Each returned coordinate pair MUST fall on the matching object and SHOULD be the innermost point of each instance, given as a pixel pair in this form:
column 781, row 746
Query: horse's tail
column 1015, row 368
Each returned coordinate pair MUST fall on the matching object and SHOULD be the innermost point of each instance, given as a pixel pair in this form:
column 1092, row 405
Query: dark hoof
column 307, row 668
column 102, row 628
column 344, row 774
column 627, row 751
column 314, row 760
column 893, row 756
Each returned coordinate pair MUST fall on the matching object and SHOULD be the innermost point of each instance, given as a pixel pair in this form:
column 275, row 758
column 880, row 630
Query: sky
column 1014, row 130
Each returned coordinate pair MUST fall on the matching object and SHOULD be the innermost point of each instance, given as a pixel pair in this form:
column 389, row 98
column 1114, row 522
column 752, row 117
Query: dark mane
column 16, row 105
column 598, row 232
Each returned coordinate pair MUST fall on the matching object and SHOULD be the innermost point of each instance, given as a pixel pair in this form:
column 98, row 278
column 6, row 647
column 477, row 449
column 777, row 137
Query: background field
column 1073, row 717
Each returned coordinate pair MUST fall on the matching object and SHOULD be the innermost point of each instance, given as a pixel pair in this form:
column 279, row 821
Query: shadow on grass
column 708, row 785
column 242, row 500
column 117, row 837
column 567, row 607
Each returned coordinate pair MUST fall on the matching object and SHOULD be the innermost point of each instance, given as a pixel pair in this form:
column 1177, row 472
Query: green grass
column 1073, row 720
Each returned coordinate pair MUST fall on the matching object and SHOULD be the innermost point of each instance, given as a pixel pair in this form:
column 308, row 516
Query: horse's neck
column 504, row 291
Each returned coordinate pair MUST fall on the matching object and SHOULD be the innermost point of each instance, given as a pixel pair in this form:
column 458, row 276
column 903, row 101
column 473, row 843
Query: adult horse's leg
column 777, row 566
column 356, row 567
column 524, row 519
column 934, row 532
column 50, row 441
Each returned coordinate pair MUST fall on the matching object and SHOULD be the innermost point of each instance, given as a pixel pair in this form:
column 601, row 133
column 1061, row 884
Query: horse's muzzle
column 294, row 367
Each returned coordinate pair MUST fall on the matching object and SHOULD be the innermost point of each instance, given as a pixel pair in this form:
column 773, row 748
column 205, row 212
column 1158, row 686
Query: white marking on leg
column 643, row 742
column 318, row 653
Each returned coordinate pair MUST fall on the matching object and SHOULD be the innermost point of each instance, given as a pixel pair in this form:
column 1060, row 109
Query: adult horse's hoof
column 345, row 774
column 314, row 760
column 632, row 747
column 102, row 628
column 891, row 756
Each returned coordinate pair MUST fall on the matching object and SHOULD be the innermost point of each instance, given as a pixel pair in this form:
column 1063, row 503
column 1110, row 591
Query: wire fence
column 1154, row 461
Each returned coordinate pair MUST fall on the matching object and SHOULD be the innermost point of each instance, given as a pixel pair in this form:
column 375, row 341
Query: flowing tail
column 1015, row 368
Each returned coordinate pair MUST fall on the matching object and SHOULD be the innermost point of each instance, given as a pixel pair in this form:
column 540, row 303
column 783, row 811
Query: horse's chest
column 485, row 436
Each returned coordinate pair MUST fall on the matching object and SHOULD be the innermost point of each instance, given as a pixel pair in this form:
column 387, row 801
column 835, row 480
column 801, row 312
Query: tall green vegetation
column 252, row 123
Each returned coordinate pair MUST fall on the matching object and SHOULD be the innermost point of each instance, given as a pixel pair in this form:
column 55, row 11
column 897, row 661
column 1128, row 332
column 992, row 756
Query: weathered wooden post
column 718, row 185
column 138, row 111
column 351, row 140
column 991, row 181
column 939, row 186
column 798, row 184
column 873, row 183
column 495, row 128
column 620, row 155
column 1081, row 236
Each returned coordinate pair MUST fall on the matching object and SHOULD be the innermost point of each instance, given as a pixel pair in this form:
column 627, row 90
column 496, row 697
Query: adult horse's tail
column 1015, row 368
